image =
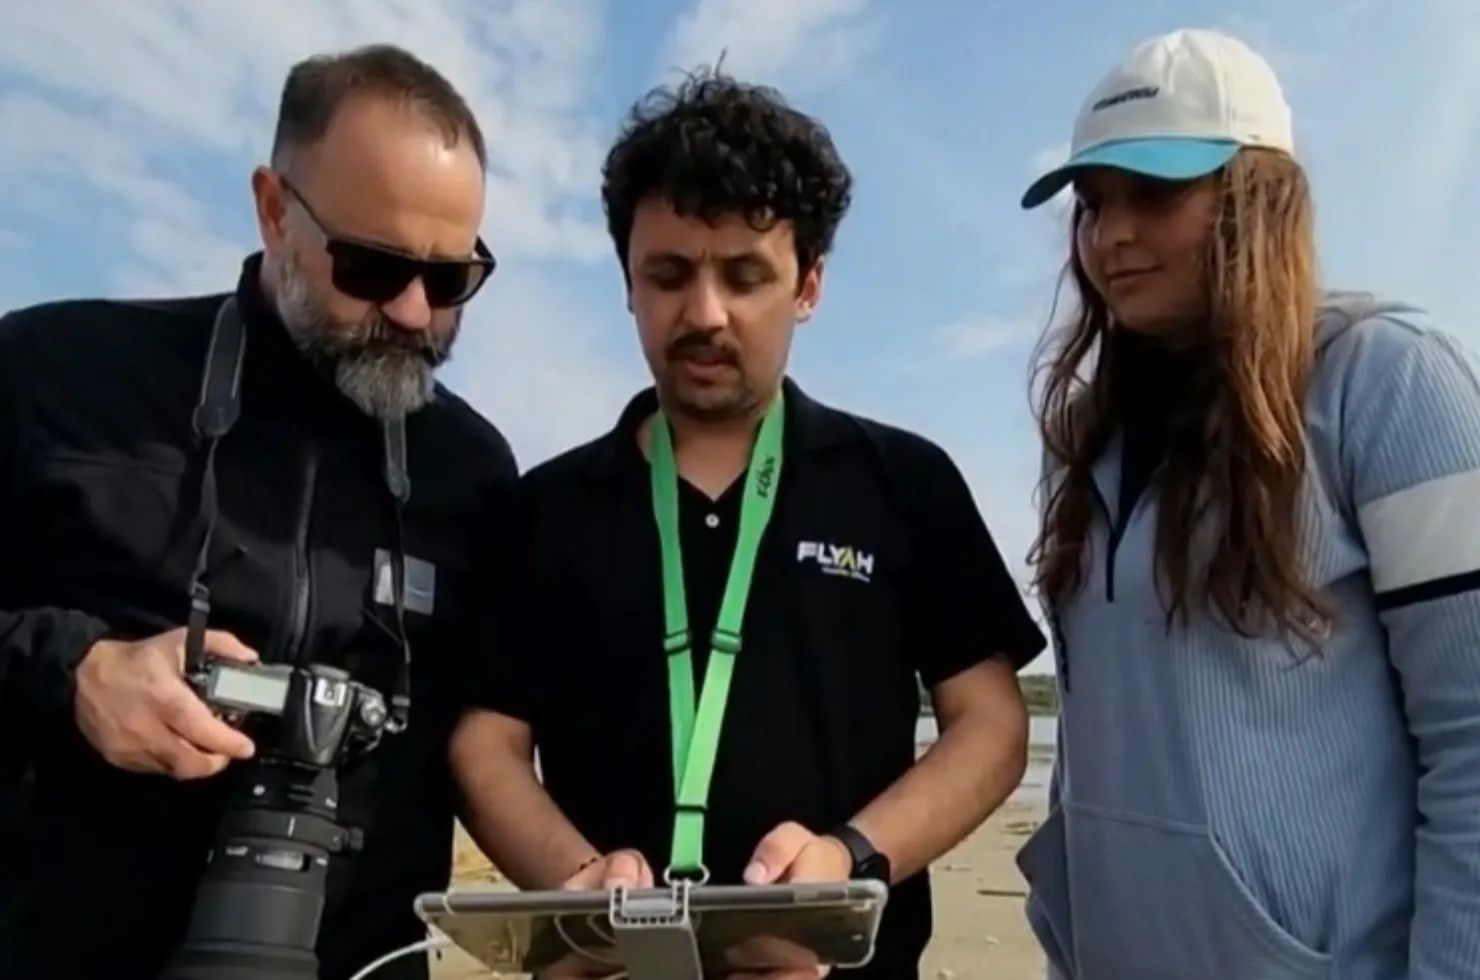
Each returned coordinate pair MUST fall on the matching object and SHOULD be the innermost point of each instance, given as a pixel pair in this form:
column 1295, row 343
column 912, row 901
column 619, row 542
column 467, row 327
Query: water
column 1042, row 733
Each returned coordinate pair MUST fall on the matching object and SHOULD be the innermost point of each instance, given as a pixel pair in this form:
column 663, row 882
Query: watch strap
column 868, row 860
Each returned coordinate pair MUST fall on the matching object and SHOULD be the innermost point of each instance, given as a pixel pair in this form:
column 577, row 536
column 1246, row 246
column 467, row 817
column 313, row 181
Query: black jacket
column 99, row 525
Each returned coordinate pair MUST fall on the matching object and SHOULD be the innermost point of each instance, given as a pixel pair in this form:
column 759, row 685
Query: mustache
column 381, row 335
column 701, row 344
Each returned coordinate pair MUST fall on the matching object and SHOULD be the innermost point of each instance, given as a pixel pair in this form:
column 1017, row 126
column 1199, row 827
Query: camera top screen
column 256, row 689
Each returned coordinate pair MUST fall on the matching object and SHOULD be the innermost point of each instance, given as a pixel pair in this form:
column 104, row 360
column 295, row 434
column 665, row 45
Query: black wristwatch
column 868, row 861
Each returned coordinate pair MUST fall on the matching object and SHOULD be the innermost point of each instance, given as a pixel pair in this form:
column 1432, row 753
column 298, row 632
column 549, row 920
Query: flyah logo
column 834, row 559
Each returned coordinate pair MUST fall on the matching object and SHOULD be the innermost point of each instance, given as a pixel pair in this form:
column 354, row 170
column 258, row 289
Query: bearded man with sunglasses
column 369, row 216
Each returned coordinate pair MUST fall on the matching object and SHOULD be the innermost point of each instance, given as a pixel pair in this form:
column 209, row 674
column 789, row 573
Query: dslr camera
column 259, row 904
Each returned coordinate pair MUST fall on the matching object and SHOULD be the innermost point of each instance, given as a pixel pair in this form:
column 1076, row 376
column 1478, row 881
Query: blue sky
column 128, row 131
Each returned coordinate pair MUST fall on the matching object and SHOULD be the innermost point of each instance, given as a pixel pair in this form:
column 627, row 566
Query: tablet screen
column 575, row 938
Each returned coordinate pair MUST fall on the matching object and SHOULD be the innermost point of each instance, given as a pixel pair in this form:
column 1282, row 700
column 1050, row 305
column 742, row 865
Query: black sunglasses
column 375, row 273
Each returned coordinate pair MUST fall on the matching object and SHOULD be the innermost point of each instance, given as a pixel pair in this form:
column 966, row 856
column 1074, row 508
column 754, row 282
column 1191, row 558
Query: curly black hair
column 715, row 146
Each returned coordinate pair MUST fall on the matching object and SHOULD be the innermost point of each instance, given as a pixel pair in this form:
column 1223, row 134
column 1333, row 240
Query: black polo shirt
column 823, row 705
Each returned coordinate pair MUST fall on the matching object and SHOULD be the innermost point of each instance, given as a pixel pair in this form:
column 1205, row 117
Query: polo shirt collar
column 810, row 426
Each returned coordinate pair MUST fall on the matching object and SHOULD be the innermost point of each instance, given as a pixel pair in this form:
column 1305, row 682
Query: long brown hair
column 1234, row 487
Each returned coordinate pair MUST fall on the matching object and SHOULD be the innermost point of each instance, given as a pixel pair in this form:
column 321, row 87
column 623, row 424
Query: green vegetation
column 1039, row 690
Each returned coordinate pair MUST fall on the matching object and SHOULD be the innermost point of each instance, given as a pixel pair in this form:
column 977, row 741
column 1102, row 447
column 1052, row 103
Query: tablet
column 737, row 927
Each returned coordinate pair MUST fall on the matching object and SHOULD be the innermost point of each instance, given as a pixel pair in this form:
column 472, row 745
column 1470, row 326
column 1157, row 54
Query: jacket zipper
column 302, row 570
column 1117, row 531
column 1118, row 526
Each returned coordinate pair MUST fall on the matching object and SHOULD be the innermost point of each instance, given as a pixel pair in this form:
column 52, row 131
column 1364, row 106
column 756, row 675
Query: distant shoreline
column 1040, row 691
column 1033, row 712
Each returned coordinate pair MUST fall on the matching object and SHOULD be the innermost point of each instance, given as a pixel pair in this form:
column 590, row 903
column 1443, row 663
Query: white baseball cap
column 1179, row 107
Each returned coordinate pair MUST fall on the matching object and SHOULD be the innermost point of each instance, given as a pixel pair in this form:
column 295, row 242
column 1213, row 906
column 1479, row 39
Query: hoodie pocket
column 1043, row 862
column 1159, row 900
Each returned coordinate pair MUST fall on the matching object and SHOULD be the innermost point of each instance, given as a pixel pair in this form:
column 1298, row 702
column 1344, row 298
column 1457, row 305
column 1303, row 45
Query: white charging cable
column 420, row 946
column 432, row 943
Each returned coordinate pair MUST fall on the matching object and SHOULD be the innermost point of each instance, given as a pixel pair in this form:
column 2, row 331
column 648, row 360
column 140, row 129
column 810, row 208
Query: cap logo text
column 1129, row 95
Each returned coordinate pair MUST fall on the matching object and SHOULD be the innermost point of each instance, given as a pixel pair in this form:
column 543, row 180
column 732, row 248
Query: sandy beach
column 980, row 933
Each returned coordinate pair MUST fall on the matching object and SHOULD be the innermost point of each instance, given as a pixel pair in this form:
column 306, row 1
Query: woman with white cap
column 1260, row 553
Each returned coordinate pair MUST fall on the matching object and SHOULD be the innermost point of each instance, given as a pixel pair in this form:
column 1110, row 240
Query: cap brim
column 1165, row 158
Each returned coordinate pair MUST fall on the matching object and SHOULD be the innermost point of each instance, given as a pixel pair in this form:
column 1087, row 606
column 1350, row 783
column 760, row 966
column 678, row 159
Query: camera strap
column 217, row 410
column 398, row 482
column 696, row 727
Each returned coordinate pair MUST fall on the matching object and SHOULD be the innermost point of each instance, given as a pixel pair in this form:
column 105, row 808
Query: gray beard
column 384, row 381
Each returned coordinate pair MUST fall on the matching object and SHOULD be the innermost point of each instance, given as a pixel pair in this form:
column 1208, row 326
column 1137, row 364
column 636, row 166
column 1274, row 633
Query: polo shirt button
column 712, row 520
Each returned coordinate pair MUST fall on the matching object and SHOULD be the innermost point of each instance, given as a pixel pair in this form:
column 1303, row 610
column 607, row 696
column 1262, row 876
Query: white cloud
column 1049, row 157
column 768, row 40
column 526, row 364
column 1037, row 254
column 1292, row 63
column 154, row 113
column 146, row 118
column 986, row 336
column 1046, row 159
column 146, row 81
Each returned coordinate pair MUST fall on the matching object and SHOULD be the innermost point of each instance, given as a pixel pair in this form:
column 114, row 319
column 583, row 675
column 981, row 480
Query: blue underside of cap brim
column 1163, row 158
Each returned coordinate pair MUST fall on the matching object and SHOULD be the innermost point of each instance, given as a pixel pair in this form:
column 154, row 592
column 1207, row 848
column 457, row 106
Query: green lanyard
column 696, row 729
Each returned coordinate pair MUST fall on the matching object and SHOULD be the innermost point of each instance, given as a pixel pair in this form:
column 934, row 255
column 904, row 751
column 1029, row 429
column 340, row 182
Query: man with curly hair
column 713, row 629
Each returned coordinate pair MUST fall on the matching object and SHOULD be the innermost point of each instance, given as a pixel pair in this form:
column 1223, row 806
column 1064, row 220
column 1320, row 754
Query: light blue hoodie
column 1233, row 809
